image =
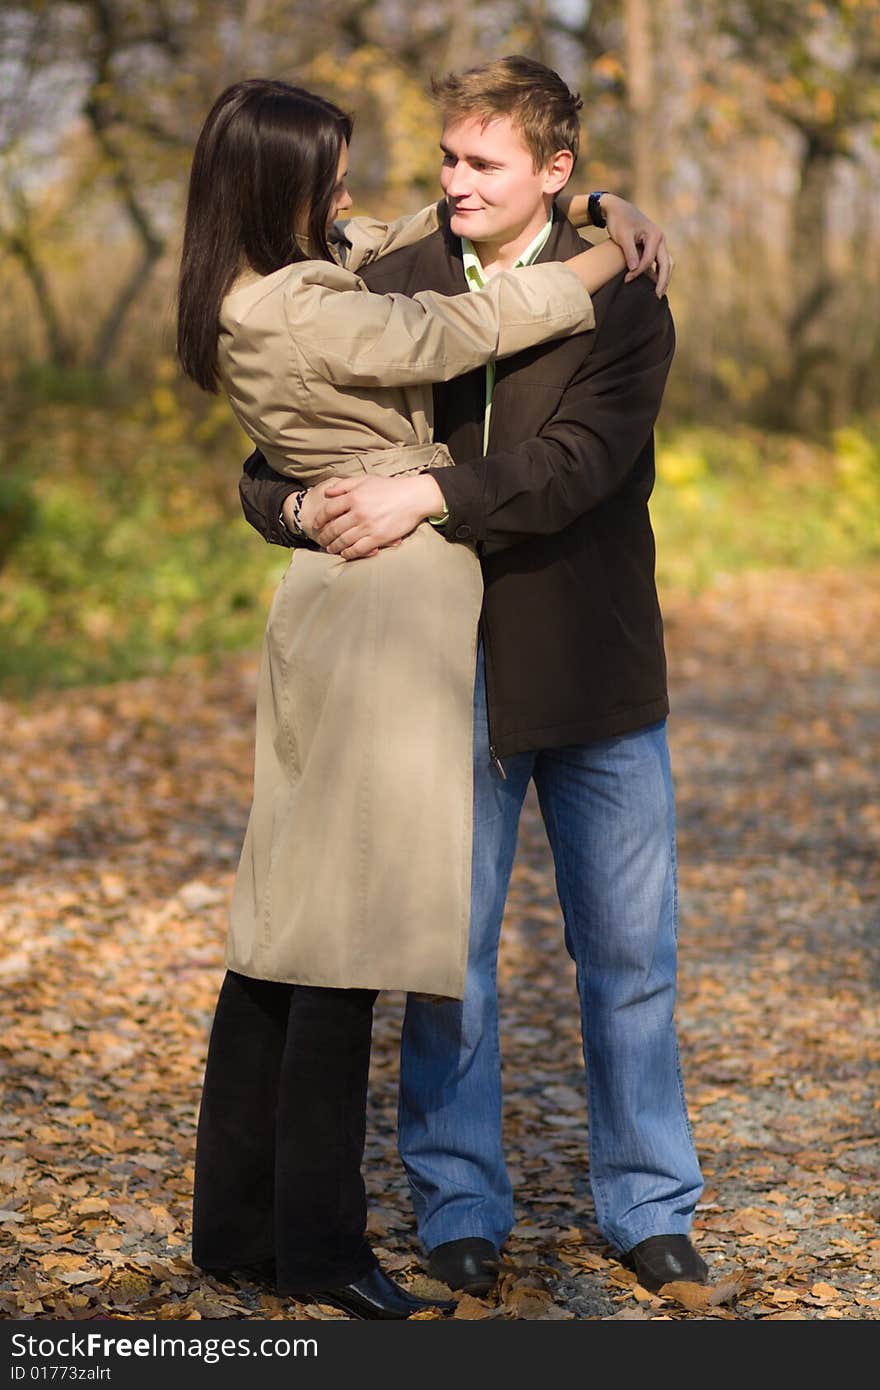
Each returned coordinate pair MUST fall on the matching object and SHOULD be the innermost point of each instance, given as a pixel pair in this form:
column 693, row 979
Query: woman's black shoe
column 375, row 1296
column 260, row 1272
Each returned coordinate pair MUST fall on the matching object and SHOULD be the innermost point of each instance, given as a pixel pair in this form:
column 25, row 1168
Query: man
column 555, row 467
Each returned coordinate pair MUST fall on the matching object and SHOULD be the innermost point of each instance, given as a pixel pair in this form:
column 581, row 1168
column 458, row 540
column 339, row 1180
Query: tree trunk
column 533, row 16
column 640, row 101
column 812, row 285
column 460, row 37
column 108, row 334
column 61, row 353
column 98, row 112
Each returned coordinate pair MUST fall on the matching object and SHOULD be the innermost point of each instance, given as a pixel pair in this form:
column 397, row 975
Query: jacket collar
column 563, row 241
column 440, row 256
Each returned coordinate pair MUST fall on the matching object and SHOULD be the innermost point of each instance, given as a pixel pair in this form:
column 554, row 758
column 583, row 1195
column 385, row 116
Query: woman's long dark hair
column 266, row 161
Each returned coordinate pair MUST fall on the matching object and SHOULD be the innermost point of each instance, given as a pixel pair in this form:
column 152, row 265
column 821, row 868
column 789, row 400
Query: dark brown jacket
column 558, row 507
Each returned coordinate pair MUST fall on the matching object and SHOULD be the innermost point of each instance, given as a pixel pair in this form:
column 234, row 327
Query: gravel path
column 126, row 806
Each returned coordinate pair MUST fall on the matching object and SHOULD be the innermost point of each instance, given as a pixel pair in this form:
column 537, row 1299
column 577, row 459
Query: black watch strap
column 594, row 209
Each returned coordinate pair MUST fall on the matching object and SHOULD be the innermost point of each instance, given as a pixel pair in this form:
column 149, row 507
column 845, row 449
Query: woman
column 355, row 870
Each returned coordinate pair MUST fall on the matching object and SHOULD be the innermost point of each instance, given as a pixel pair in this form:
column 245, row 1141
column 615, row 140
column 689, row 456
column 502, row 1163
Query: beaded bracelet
column 296, row 513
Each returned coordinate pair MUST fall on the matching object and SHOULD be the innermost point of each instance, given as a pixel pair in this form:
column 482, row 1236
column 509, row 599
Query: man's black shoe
column 375, row 1296
column 470, row 1264
column 661, row 1260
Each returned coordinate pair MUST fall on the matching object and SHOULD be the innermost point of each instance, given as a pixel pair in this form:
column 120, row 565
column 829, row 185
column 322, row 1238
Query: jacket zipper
column 493, row 756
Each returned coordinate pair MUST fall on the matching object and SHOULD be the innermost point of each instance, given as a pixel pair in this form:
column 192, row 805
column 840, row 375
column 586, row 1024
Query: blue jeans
column 609, row 812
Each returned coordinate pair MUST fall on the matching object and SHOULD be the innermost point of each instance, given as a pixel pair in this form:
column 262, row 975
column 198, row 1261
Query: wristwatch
column 594, row 210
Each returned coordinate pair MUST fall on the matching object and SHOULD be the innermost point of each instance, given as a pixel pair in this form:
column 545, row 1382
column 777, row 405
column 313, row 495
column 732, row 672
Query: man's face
column 493, row 190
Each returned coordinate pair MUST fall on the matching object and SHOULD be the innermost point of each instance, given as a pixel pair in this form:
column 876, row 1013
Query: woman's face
column 341, row 200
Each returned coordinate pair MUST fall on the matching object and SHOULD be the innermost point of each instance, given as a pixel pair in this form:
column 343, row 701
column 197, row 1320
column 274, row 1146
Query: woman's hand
column 641, row 240
column 312, row 505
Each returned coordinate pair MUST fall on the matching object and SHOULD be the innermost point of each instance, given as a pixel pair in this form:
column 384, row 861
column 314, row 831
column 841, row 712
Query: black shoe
column 470, row 1264
column 375, row 1296
column 661, row 1260
column 260, row 1272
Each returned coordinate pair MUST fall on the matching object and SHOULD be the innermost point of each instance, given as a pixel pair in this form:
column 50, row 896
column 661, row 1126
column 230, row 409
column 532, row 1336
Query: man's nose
column 457, row 181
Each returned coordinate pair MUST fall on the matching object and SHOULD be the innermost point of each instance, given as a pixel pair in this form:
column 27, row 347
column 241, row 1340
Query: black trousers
column 281, row 1133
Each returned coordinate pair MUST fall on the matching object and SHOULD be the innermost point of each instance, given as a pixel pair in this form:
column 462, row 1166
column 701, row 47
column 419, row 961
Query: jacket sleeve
column 262, row 492
column 364, row 239
column 584, row 453
column 352, row 337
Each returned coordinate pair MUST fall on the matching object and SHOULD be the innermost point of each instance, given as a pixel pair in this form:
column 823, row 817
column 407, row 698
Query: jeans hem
column 659, row 1228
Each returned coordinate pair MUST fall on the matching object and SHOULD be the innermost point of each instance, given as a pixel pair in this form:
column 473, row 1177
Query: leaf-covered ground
column 123, row 809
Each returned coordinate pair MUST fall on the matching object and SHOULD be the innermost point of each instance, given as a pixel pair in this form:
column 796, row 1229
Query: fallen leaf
column 531, row 1304
column 784, row 1296
column 91, row 1206
column 58, row 1260
column 76, row 1276
column 472, row 1309
column 644, row 1295
column 130, row 1214
column 44, row 1211
column 421, row 1286
column 695, row 1297
column 825, row 1293
column 323, row 1312
column 728, row 1290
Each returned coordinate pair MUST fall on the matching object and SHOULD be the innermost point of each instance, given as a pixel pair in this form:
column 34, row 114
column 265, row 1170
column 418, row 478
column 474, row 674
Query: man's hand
column 641, row 241
column 357, row 517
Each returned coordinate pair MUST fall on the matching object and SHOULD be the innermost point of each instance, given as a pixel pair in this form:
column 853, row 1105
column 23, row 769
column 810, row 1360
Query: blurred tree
column 749, row 128
column 819, row 65
column 137, row 77
column 638, row 18
column 87, row 47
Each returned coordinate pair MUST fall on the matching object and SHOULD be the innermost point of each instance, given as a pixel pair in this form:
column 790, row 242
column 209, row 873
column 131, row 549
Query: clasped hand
column 358, row 517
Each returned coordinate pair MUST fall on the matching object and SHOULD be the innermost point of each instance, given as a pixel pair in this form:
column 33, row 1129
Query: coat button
column 462, row 533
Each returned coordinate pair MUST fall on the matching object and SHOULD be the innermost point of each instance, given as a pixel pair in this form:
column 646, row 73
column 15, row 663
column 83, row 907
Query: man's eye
column 449, row 159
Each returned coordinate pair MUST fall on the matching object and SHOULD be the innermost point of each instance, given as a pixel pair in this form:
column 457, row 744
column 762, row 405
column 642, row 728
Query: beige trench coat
column 355, row 869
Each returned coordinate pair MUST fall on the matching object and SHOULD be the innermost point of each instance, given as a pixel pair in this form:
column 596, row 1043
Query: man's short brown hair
column 542, row 108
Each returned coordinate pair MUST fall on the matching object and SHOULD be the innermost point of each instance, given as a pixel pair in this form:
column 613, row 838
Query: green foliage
column 42, row 383
column 129, row 550
column 748, row 499
column 123, row 546
column 17, row 507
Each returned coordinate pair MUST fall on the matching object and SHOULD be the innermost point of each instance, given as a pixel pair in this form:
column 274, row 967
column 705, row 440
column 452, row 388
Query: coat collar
column 563, row 241
column 441, row 264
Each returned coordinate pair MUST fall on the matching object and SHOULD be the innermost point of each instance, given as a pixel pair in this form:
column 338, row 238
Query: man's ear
column 558, row 171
